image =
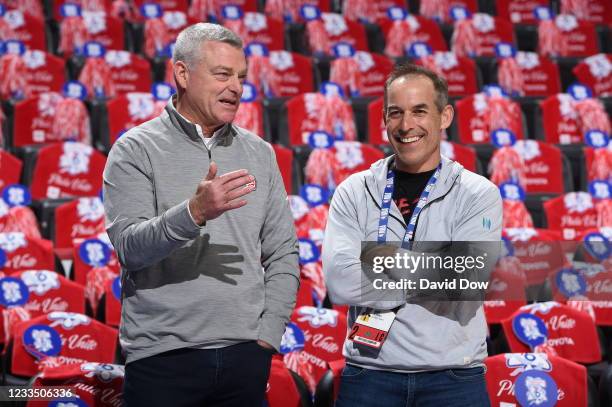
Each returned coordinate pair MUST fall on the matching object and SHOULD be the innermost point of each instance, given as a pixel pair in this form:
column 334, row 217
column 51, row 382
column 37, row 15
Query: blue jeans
column 449, row 388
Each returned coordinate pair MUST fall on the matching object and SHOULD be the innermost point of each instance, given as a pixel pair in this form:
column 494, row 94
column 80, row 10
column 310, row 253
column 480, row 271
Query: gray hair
column 189, row 41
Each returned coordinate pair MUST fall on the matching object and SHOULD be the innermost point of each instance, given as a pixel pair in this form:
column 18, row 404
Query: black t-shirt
column 407, row 189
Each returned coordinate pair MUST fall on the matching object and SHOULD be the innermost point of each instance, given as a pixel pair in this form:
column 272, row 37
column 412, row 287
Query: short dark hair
column 440, row 85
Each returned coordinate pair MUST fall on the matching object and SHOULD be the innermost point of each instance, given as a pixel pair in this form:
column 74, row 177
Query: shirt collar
column 193, row 130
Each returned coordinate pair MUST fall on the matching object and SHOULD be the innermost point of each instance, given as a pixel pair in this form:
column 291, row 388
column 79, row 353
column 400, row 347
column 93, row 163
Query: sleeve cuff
column 192, row 219
column 180, row 224
column 271, row 330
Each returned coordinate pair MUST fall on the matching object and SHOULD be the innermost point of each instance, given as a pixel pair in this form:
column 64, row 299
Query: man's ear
column 181, row 74
column 447, row 117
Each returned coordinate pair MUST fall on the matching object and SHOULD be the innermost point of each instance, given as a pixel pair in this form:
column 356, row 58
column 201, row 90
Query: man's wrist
column 198, row 220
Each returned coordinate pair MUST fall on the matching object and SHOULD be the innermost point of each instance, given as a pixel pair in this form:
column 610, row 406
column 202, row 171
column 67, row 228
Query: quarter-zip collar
column 224, row 136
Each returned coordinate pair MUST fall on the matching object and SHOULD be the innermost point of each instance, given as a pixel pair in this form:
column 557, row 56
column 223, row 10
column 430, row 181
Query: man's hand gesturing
column 216, row 195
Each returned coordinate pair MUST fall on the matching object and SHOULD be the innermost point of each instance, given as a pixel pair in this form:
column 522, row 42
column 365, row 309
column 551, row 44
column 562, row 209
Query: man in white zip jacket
column 433, row 352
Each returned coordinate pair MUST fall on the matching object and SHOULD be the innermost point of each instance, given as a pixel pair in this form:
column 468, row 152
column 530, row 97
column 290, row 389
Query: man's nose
column 408, row 122
column 235, row 85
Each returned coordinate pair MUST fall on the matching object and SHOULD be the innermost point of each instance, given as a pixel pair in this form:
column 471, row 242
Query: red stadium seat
column 329, row 167
column 543, row 167
column 572, row 213
column 80, row 218
column 10, row 169
column 166, row 5
column 282, row 74
column 106, row 6
column 322, row 34
column 506, row 292
column 441, row 10
column 103, row 28
column 566, row 36
column 284, row 388
column 23, row 27
column 284, row 159
column 461, row 73
column 324, row 333
column 36, row 72
column 528, row 74
column 596, row 72
column 97, row 384
column 75, row 337
column 67, row 170
column 26, row 253
column 289, row 10
column 50, row 118
column 594, row 11
column 519, row 11
column 126, row 111
column 478, row 35
column 539, row 252
column 362, row 74
column 258, row 28
column 311, row 112
column 571, row 333
column 129, row 72
column 87, row 261
column 250, row 117
column 502, row 372
column 477, row 116
column 401, row 34
column 369, row 11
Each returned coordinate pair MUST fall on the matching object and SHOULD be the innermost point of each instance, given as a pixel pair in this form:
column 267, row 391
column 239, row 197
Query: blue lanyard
column 386, row 206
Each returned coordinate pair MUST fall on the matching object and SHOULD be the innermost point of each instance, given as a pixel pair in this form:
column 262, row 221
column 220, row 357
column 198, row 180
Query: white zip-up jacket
column 432, row 335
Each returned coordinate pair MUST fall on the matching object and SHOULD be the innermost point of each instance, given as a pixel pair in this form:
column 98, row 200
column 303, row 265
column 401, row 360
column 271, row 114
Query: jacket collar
column 448, row 174
column 224, row 135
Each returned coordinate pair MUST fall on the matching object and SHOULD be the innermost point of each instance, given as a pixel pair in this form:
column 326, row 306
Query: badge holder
column 372, row 328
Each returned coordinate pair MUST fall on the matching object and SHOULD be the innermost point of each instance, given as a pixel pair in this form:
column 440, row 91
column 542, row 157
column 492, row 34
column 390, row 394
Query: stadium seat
column 30, row 74
column 93, row 383
column 116, row 116
column 322, row 34
column 566, row 36
column 128, row 71
column 75, row 31
column 257, row 28
column 286, row 388
column 329, row 167
column 289, row 10
column 477, row 35
column 87, row 340
column 309, row 112
column 79, row 218
column 329, row 385
column 462, row 74
column 502, row 372
column 24, row 27
column 400, row 34
column 67, row 170
column 519, row 11
column 572, row 212
column 596, row 73
column 100, row 255
column 282, row 74
column 324, row 332
column 26, row 253
column 48, row 118
column 571, row 333
column 363, row 74
column 10, row 169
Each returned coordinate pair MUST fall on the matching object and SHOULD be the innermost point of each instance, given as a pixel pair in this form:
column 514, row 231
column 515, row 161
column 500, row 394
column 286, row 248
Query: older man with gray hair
column 197, row 212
